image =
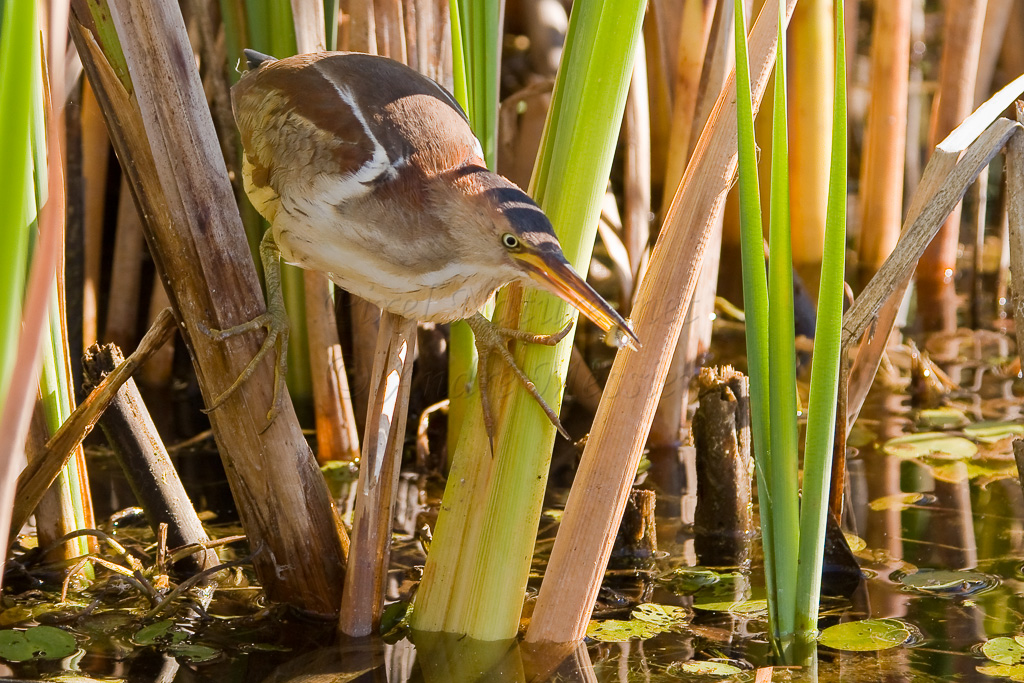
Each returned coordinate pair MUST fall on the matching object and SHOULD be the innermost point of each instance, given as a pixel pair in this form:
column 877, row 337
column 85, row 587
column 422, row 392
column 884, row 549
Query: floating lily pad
column 160, row 633
column 196, row 653
column 666, row 616
column 704, row 669
column 948, row 581
column 734, row 607
column 945, row 417
column 38, row 642
column 930, row 444
column 619, row 630
column 898, row 501
column 991, row 431
column 867, row 635
column 1013, row 672
column 689, row 580
column 1005, row 650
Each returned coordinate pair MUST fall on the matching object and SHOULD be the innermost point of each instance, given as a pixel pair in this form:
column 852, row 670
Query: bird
column 369, row 171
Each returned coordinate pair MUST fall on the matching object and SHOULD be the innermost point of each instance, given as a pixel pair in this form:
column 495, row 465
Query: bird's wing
column 296, row 126
column 349, row 121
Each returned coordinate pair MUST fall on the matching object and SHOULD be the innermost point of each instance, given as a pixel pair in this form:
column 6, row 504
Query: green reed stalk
column 55, row 383
column 755, row 300
column 821, row 404
column 476, row 62
column 782, row 352
column 793, row 534
column 18, row 38
column 331, row 24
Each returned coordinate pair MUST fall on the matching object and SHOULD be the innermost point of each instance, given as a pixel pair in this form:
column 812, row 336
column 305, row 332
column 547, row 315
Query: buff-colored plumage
column 370, row 173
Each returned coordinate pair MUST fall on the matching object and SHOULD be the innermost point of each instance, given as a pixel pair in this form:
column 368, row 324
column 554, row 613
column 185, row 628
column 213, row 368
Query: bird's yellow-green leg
column 491, row 339
column 274, row 321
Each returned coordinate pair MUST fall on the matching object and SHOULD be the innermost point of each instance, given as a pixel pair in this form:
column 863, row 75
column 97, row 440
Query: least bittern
column 369, row 172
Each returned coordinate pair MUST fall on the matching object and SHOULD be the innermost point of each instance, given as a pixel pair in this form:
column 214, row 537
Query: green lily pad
column 38, row 642
column 689, row 580
column 941, row 418
column 196, row 653
column 993, row 431
column 1005, row 650
column 704, row 669
column 162, row 632
column 666, row 616
column 867, row 635
column 930, row 444
column 619, row 630
column 734, row 607
column 948, row 581
column 1013, row 672
column 897, row 501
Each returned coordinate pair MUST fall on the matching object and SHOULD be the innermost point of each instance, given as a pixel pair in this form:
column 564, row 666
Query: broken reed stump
column 721, row 435
column 140, row 452
column 636, row 542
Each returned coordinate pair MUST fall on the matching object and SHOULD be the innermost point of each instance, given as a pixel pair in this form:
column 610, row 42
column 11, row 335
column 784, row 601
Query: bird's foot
column 490, row 339
column 274, row 321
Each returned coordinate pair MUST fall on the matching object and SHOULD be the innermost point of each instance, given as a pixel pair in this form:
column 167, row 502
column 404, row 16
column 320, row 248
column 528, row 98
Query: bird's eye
column 510, row 241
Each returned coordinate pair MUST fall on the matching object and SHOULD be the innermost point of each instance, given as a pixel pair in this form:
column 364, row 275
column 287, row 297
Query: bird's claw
column 274, row 321
column 277, row 329
column 490, row 339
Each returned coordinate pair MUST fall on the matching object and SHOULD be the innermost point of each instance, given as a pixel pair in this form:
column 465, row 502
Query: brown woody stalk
column 693, row 38
column 881, row 183
column 811, row 84
column 961, row 41
column 165, row 139
column 598, row 496
column 636, row 189
column 1015, row 211
column 142, row 456
column 95, row 156
column 386, row 415
column 126, row 278
column 695, row 336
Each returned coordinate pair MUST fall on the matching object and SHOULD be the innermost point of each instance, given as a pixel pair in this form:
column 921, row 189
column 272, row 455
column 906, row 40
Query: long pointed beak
column 551, row 271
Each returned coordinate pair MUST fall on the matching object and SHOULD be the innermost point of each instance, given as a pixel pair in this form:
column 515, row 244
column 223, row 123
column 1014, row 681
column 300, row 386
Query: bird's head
column 521, row 232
